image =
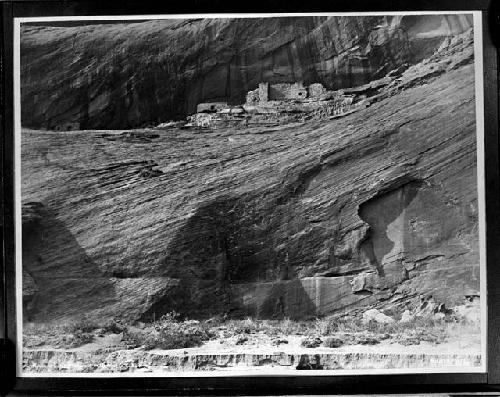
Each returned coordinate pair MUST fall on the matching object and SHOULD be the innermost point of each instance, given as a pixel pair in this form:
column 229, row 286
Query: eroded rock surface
column 298, row 221
column 143, row 73
column 373, row 209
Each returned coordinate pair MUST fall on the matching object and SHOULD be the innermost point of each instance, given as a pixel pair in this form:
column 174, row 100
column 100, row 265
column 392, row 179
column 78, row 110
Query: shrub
column 241, row 340
column 289, row 327
column 347, row 324
column 81, row 338
column 325, row 326
column 279, row 341
column 368, row 340
column 333, row 342
column 434, row 336
column 135, row 338
column 113, row 327
column 177, row 336
column 311, row 342
column 247, row 326
column 84, row 324
column 169, row 333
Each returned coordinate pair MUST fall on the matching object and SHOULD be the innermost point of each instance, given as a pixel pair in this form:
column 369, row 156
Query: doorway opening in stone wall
column 258, row 195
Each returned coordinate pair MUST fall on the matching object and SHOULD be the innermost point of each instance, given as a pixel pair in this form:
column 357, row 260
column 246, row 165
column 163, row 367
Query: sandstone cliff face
column 130, row 75
column 375, row 208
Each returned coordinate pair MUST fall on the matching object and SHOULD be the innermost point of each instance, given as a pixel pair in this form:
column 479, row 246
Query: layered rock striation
column 128, row 75
column 376, row 208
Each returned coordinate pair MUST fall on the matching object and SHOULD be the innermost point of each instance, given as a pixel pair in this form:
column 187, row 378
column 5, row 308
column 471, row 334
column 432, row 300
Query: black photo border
column 269, row 384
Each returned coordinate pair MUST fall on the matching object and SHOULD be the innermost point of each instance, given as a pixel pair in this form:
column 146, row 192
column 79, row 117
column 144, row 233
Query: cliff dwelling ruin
column 280, row 103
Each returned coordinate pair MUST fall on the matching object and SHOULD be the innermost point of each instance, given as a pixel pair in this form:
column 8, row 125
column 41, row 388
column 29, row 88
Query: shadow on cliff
column 59, row 278
column 287, row 299
column 200, row 256
column 224, row 251
column 379, row 212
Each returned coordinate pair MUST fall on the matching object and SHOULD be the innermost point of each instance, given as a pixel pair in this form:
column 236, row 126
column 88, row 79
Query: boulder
column 377, row 316
column 311, row 342
column 406, row 317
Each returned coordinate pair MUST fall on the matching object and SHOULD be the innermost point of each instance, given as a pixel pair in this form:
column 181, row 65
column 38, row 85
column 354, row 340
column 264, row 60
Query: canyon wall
column 124, row 75
column 376, row 208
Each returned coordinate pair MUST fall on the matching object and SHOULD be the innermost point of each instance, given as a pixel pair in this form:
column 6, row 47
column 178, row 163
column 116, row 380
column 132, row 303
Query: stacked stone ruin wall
column 335, row 108
column 277, row 103
column 285, row 91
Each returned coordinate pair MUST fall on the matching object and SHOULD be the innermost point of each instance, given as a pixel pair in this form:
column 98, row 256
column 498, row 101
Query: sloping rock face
column 376, row 208
column 137, row 74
